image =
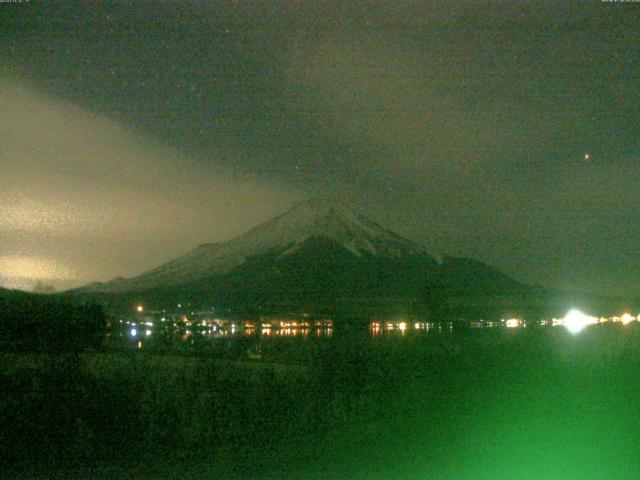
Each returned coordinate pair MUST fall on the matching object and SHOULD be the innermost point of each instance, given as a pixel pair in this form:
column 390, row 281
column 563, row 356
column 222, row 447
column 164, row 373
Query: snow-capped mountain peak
column 322, row 218
column 283, row 234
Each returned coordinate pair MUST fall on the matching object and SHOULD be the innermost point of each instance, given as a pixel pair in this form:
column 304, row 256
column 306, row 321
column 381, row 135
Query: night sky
column 508, row 132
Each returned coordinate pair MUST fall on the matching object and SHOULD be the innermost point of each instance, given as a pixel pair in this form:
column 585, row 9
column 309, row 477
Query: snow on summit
column 323, row 218
column 284, row 233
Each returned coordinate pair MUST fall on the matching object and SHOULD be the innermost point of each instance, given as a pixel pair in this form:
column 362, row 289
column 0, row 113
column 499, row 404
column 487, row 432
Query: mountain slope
column 318, row 256
column 281, row 236
column 465, row 275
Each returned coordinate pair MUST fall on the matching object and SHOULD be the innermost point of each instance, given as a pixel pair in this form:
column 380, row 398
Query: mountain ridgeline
column 319, row 256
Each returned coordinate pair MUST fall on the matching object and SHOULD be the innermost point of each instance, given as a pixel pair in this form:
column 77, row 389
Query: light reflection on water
column 200, row 336
column 403, row 328
column 265, row 332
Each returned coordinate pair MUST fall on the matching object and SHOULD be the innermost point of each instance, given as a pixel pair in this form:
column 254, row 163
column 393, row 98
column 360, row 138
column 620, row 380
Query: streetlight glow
column 627, row 318
column 575, row 321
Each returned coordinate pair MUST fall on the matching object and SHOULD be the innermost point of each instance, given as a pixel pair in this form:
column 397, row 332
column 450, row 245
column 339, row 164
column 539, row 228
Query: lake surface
column 141, row 335
column 288, row 341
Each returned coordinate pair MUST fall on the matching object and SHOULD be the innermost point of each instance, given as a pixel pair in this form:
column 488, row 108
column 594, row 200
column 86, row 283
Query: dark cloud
column 461, row 124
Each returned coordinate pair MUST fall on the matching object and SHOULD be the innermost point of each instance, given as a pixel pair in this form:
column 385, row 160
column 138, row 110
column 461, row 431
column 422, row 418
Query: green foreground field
column 501, row 404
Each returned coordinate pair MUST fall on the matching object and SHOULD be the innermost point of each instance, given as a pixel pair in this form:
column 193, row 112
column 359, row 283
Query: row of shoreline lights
column 575, row 321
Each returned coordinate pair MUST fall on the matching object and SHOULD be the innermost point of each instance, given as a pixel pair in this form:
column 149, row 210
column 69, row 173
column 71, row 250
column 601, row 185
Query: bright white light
column 575, row 321
column 134, row 332
column 627, row 318
column 513, row 323
column 147, row 332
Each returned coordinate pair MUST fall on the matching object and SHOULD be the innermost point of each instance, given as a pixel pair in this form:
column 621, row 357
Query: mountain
column 319, row 253
column 464, row 275
column 282, row 236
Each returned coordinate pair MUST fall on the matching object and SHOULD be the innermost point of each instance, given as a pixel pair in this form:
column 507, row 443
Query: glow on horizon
column 22, row 271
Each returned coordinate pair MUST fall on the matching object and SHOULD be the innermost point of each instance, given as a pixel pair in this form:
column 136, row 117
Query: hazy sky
column 131, row 132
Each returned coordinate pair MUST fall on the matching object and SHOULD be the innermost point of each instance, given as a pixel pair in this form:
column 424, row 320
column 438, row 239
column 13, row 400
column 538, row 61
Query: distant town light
column 513, row 323
column 147, row 332
column 139, row 308
column 626, row 318
column 134, row 332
